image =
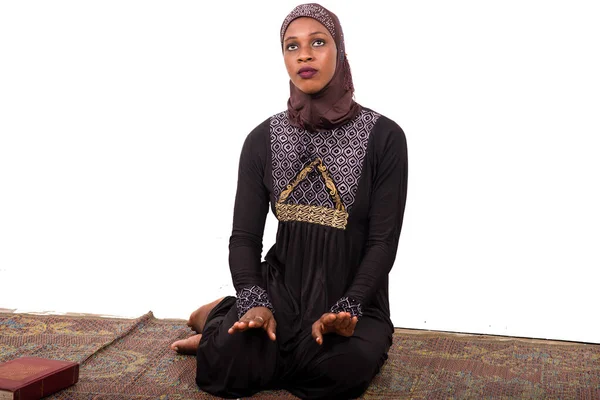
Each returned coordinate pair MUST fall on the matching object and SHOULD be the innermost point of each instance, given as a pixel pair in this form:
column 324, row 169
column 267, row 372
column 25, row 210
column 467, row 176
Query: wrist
column 250, row 297
column 349, row 305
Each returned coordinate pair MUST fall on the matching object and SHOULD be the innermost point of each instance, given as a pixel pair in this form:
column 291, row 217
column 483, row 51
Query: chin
column 309, row 89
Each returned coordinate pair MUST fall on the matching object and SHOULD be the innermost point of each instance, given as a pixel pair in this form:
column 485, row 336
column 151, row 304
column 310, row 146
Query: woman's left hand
column 341, row 323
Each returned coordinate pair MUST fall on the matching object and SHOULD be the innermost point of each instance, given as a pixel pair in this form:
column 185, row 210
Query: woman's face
column 310, row 54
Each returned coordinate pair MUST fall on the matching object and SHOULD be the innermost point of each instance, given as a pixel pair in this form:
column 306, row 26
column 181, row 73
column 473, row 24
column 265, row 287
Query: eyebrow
column 314, row 33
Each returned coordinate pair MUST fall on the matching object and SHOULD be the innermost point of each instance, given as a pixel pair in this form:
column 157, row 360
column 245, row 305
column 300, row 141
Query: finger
column 317, row 332
column 344, row 322
column 256, row 322
column 341, row 321
column 240, row 326
column 328, row 319
column 270, row 328
column 348, row 320
column 337, row 323
column 352, row 325
column 342, row 317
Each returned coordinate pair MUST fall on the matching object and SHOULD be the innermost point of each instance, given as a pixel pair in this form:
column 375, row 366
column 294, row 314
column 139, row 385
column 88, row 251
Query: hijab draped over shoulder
column 333, row 105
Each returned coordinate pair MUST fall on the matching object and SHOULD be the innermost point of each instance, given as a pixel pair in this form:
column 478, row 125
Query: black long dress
column 339, row 197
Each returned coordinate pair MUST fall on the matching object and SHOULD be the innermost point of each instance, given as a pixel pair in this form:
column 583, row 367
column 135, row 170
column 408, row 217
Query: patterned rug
column 130, row 359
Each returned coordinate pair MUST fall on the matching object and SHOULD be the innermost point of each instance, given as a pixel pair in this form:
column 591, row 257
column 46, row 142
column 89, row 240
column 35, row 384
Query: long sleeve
column 386, row 211
column 250, row 211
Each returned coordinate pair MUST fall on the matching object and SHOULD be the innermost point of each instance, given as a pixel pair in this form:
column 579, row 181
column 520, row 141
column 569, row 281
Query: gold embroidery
column 335, row 217
column 313, row 214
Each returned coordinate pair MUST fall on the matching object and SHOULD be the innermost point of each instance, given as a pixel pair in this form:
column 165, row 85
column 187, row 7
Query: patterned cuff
column 253, row 296
column 346, row 304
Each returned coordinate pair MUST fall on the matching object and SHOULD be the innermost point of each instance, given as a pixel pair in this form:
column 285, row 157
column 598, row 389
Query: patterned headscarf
column 333, row 105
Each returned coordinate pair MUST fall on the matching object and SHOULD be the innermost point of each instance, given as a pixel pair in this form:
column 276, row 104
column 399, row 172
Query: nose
column 305, row 55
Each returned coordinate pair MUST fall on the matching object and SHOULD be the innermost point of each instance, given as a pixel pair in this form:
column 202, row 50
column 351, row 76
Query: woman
column 314, row 317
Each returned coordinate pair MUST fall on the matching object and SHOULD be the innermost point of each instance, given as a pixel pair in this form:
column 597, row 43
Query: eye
column 291, row 47
column 319, row 43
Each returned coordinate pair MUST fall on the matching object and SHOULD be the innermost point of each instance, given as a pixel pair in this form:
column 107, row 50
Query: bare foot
column 198, row 317
column 187, row 346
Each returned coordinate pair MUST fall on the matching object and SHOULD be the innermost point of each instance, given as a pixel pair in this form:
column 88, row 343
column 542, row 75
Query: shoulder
column 262, row 130
column 386, row 132
column 258, row 142
column 384, row 124
column 259, row 137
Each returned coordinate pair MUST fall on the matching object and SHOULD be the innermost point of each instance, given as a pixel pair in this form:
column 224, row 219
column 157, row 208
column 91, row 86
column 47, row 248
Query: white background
column 121, row 124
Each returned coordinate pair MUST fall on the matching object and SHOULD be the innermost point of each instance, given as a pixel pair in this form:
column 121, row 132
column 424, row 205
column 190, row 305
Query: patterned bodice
column 316, row 174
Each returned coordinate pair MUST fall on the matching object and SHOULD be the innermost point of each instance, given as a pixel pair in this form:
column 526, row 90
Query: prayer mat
column 131, row 359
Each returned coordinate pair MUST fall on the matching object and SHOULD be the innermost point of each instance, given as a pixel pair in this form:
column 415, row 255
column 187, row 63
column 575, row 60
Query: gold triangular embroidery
column 335, row 217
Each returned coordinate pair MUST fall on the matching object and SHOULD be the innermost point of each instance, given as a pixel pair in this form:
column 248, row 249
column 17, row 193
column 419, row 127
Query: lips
column 307, row 72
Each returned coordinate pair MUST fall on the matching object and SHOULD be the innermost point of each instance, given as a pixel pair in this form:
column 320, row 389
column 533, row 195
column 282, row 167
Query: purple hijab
column 333, row 105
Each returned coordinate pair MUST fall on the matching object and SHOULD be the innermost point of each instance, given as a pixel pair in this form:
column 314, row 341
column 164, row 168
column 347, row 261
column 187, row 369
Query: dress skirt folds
column 339, row 197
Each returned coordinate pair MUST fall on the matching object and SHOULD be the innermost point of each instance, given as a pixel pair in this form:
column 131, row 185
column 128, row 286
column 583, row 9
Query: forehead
column 304, row 26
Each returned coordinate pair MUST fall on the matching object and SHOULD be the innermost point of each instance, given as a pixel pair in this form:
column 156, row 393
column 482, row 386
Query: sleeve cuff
column 349, row 305
column 250, row 297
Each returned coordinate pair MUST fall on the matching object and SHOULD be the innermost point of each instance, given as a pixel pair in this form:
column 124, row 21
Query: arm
column 250, row 211
column 386, row 211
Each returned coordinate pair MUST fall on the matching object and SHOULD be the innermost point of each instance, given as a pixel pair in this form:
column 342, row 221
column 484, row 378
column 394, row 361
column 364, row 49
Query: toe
column 175, row 345
column 187, row 346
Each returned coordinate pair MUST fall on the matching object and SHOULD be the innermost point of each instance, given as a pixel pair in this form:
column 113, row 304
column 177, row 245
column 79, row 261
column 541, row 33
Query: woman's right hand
column 257, row 317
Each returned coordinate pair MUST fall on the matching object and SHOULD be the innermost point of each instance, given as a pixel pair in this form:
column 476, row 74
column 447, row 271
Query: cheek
column 289, row 66
column 331, row 63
